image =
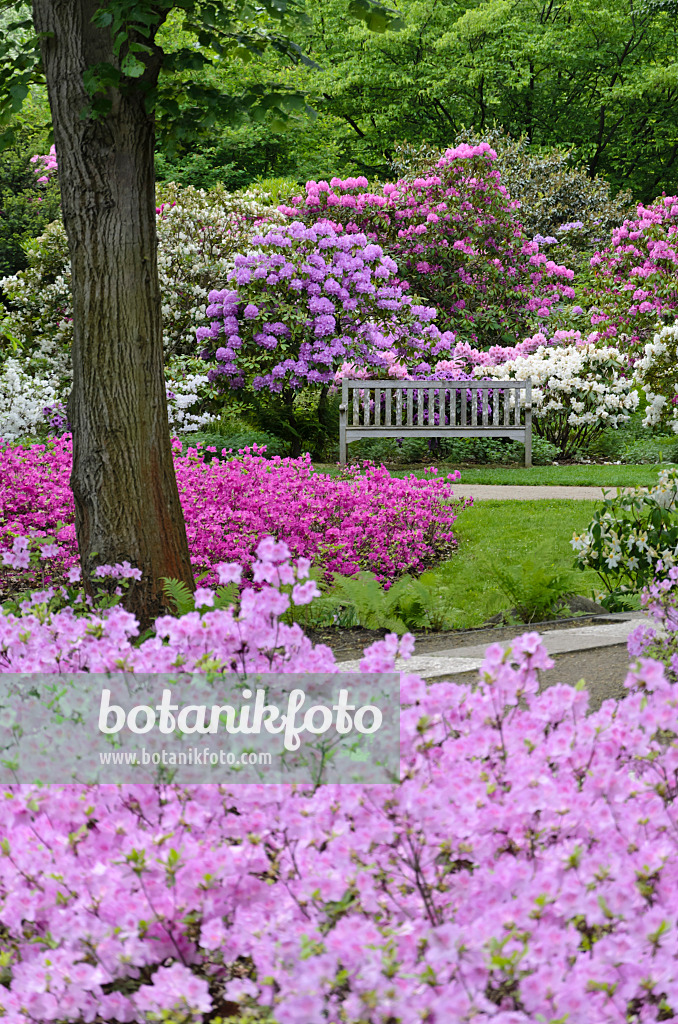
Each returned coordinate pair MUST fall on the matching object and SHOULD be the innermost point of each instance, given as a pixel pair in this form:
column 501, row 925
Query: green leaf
column 131, row 66
column 18, row 92
column 102, row 18
column 375, row 16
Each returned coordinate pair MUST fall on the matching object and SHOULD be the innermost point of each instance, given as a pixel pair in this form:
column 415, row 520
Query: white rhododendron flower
column 23, row 399
column 186, row 393
column 657, row 373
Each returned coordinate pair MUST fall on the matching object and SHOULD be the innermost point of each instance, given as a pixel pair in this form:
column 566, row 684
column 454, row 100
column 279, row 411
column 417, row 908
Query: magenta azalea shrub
column 364, row 519
column 633, row 281
column 524, row 869
column 457, row 240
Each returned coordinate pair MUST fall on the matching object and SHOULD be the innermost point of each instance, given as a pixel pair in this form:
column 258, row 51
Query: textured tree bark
column 123, row 480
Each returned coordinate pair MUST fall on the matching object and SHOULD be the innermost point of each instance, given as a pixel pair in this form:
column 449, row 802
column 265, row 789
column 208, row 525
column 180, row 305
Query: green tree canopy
column 601, row 78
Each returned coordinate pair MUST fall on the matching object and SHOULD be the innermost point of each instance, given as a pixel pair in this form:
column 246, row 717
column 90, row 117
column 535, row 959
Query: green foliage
column 629, row 535
column 454, row 450
column 183, row 599
column 233, row 442
column 649, row 450
column 26, row 207
column 597, row 81
column 409, row 604
column 20, row 65
column 535, row 585
column 168, row 50
column 305, row 421
column 635, row 444
column 237, row 157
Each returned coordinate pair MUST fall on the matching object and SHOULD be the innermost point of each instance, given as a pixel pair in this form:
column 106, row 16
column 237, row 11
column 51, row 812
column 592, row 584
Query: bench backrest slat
column 443, row 408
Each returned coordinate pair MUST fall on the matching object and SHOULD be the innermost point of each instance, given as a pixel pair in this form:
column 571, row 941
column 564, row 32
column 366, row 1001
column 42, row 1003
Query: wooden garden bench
column 462, row 408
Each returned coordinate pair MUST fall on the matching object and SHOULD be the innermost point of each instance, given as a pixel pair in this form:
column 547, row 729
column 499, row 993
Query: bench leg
column 528, row 448
column 342, row 435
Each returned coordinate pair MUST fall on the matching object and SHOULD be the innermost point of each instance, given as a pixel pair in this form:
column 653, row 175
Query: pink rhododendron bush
column 364, row 519
column 634, row 278
column 457, row 239
column 523, row 869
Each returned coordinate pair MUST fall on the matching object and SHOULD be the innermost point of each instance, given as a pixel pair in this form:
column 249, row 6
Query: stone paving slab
column 458, row 660
column 515, row 492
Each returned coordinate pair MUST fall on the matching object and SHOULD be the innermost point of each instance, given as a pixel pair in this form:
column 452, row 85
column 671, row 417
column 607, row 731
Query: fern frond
column 226, row 596
column 179, row 594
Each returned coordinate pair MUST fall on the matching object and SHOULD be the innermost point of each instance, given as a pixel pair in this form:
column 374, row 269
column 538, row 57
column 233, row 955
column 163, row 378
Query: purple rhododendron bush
column 364, row 519
column 307, row 299
column 523, row 869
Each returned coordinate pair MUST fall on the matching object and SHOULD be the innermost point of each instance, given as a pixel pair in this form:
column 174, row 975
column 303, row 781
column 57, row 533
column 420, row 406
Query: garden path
column 515, row 492
column 596, row 653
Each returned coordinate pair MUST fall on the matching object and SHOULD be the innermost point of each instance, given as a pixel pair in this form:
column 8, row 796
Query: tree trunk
column 123, row 480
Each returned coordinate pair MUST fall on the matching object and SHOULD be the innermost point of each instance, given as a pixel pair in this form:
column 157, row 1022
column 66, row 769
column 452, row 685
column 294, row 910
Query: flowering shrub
column 633, row 280
column 577, row 391
column 462, row 359
column 632, row 539
column 660, row 640
column 46, row 164
column 655, row 372
column 306, row 300
column 24, row 399
column 364, row 519
column 188, row 395
column 558, row 200
column 456, row 238
column 523, row 869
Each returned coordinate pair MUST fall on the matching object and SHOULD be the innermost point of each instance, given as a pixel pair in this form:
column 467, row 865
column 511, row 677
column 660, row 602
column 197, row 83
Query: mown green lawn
column 510, row 534
column 572, row 476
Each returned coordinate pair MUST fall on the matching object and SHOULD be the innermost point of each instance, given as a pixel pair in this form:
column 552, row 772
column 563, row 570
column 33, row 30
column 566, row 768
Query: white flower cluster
column 23, row 399
column 577, row 390
column 584, row 381
column 657, row 373
column 618, row 539
column 187, row 394
column 199, row 234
